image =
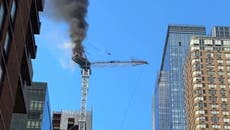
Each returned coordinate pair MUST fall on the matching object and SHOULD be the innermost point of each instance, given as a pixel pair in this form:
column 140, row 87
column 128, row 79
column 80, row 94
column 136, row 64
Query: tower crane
column 85, row 66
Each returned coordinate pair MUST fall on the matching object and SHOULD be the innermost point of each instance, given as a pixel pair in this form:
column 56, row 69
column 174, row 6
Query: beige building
column 207, row 84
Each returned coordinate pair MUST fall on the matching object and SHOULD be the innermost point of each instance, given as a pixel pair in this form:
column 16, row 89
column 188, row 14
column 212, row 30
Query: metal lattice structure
column 85, row 65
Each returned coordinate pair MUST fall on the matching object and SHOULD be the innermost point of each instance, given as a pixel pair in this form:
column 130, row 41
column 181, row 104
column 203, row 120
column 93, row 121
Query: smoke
column 73, row 12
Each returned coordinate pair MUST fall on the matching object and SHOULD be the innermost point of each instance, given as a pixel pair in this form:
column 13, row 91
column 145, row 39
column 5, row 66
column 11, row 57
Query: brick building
column 207, row 76
column 19, row 21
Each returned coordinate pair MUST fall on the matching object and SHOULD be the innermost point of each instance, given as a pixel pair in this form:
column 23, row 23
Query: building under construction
column 68, row 120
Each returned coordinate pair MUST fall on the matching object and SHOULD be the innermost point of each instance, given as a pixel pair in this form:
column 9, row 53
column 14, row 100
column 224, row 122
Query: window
column 212, row 86
column 201, row 126
column 220, row 61
column 201, row 105
column 226, row 120
column 220, row 67
column 224, row 99
column 197, row 73
column 197, row 53
column 212, row 92
column 200, row 112
column 221, row 79
column 208, row 42
column 209, row 60
column 221, row 73
column 214, row 112
column 222, row 92
column 227, row 49
column 201, row 118
column 13, row 10
column 197, row 85
column 211, row 79
column 209, row 66
column 226, row 43
column 227, row 61
column 209, row 55
column 222, row 86
column 224, row 106
column 210, row 72
column 216, row 126
column 227, row 127
column 2, row 13
column 215, row 119
column 197, row 66
column 218, row 42
column 227, row 55
column 211, row 98
column 7, row 42
column 214, row 105
column 225, row 113
column 196, row 60
column 208, row 48
column 218, row 55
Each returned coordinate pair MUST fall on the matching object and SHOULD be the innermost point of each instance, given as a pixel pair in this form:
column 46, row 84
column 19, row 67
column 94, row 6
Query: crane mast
column 85, row 66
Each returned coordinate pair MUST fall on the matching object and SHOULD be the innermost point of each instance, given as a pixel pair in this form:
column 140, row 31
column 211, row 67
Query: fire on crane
column 85, row 66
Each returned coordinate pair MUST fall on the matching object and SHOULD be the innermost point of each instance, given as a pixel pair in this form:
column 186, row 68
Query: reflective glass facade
column 38, row 115
column 172, row 111
column 161, row 103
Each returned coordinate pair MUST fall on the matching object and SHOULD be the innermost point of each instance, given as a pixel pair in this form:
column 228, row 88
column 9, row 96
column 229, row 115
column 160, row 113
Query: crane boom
column 86, row 71
column 118, row 63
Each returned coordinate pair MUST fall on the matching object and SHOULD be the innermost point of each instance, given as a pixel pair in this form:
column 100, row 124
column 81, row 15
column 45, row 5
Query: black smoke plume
column 73, row 12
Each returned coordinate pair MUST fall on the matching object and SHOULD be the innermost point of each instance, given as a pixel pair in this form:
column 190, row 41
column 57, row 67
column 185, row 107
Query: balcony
column 26, row 67
column 30, row 42
column 35, row 20
column 40, row 4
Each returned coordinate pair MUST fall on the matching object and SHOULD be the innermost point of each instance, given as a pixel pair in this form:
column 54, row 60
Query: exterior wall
column 46, row 117
column 19, row 22
column 175, row 51
column 220, row 31
column 61, row 119
column 162, row 107
column 37, row 104
column 207, row 77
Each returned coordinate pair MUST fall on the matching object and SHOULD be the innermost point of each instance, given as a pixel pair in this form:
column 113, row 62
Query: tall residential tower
column 19, row 21
column 207, row 76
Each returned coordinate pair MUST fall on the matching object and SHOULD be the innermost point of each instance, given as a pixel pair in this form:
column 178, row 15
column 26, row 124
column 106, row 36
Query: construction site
column 74, row 13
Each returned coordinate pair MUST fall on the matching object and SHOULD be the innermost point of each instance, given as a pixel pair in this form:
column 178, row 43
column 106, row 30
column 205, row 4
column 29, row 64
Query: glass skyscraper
column 168, row 102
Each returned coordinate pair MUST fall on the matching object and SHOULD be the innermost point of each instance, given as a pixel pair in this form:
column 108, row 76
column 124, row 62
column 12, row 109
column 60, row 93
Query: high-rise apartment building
column 19, row 21
column 207, row 76
column 172, row 111
column 68, row 120
column 38, row 115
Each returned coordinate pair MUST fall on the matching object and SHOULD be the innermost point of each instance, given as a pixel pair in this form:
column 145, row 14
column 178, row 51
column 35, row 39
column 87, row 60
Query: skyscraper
column 38, row 115
column 68, row 120
column 19, row 21
column 207, row 76
column 221, row 31
column 172, row 111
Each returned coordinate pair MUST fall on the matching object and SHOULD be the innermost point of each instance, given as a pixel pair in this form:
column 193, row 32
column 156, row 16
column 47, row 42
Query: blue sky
column 121, row 97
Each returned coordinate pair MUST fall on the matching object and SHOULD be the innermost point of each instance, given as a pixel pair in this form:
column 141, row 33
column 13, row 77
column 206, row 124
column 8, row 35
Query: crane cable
column 131, row 100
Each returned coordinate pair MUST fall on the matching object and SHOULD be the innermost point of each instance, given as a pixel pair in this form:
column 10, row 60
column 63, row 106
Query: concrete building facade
column 68, row 120
column 207, row 76
column 19, row 21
